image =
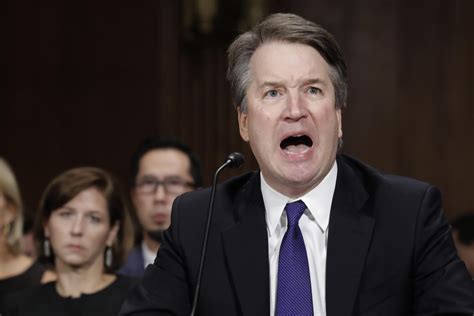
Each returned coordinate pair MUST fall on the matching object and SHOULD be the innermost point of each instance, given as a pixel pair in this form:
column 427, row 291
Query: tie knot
column 294, row 210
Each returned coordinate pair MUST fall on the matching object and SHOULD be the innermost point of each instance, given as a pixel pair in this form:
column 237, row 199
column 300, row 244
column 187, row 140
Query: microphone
column 234, row 160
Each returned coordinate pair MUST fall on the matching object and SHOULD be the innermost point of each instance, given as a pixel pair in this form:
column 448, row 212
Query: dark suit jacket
column 390, row 252
column 135, row 264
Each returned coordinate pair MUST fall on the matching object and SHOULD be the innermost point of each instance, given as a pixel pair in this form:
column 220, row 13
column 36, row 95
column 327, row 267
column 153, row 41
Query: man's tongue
column 296, row 149
column 296, row 144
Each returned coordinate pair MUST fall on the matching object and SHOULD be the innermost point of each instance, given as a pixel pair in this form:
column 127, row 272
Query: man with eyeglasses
column 161, row 170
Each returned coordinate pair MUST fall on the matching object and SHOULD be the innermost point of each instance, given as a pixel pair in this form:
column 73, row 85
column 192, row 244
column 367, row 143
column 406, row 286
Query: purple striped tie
column 294, row 284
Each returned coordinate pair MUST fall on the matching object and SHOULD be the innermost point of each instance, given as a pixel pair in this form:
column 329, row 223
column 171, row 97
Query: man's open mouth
column 296, row 144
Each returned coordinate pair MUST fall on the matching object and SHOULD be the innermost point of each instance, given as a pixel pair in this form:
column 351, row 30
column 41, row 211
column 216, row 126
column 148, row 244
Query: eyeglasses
column 171, row 185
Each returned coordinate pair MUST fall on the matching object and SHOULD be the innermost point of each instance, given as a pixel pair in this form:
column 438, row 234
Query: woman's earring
column 108, row 257
column 46, row 248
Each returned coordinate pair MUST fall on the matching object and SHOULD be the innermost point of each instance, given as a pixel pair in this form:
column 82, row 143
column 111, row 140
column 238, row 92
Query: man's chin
column 156, row 235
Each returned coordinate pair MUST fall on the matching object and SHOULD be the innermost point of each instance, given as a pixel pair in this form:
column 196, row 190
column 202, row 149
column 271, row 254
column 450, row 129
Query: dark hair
column 69, row 184
column 290, row 28
column 464, row 225
column 153, row 143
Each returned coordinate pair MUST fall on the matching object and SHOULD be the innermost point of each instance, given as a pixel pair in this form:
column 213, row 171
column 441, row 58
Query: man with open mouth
column 313, row 232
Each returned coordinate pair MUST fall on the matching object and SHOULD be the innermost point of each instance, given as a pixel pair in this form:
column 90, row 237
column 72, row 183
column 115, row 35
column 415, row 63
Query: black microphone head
column 235, row 159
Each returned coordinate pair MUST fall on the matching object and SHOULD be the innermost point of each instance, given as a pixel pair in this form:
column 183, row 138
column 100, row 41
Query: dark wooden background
column 87, row 80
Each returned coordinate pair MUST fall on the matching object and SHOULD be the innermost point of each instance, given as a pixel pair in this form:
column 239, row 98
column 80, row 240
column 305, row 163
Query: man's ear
column 339, row 121
column 243, row 124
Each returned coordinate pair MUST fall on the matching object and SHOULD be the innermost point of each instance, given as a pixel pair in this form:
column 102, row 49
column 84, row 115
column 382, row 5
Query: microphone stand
column 234, row 160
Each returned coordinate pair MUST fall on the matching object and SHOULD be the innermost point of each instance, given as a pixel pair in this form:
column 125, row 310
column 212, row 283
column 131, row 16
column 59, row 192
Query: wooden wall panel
column 436, row 98
column 87, row 81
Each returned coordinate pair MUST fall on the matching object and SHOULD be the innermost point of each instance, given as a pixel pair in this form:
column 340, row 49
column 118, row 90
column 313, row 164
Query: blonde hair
column 11, row 193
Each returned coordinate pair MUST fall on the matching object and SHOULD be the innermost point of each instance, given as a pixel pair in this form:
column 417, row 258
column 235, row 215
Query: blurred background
column 87, row 80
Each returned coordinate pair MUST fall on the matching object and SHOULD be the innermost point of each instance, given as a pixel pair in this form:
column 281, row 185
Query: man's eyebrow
column 174, row 177
column 146, row 177
column 314, row 81
column 304, row 83
column 270, row 84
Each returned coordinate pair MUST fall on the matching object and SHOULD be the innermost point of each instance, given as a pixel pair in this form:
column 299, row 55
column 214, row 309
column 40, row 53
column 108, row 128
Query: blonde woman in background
column 17, row 270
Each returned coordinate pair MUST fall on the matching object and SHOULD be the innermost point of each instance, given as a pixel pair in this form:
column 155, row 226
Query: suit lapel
column 350, row 232
column 246, row 250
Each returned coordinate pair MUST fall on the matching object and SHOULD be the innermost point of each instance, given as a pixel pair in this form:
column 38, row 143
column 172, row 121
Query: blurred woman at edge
column 17, row 270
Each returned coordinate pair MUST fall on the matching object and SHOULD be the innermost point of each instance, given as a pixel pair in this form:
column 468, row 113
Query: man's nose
column 160, row 193
column 295, row 107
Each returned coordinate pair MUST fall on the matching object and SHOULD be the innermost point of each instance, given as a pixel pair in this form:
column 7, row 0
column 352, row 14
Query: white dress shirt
column 314, row 227
column 148, row 255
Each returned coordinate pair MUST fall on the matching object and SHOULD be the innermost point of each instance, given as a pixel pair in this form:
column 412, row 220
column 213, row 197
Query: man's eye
column 147, row 182
column 314, row 90
column 272, row 93
column 173, row 182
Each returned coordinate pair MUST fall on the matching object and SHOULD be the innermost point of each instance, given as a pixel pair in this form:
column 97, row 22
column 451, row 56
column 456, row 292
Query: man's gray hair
column 290, row 28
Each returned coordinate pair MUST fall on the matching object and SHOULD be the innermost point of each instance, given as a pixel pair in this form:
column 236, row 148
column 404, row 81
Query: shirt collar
column 148, row 254
column 318, row 201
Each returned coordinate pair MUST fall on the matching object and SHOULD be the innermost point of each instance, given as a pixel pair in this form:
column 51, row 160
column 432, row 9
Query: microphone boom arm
column 233, row 160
